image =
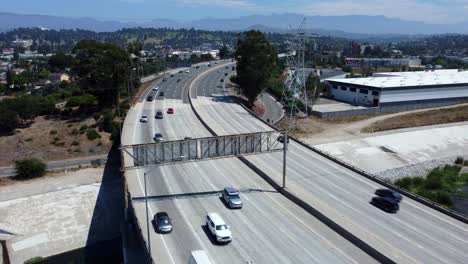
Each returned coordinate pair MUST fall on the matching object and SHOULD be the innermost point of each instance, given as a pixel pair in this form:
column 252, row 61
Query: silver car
column 158, row 137
column 232, row 198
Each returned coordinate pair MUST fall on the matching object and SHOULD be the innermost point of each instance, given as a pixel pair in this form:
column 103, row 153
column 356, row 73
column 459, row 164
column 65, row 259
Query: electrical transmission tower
column 296, row 91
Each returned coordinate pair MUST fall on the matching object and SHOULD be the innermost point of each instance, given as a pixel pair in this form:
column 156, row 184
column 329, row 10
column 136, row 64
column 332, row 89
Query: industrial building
column 399, row 91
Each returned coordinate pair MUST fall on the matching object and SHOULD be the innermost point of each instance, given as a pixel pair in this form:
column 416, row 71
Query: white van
column 199, row 257
column 218, row 228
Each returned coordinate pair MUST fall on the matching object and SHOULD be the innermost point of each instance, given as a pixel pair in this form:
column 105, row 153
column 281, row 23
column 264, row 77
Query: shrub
column 75, row 143
column 107, row 122
column 29, row 139
column 53, row 132
column 404, row 183
column 465, row 163
column 83, row 128
column 444, row 198
column 35, row 260
column 30, row 168
column 92, row 134
column 459, row 160
column 74, row 132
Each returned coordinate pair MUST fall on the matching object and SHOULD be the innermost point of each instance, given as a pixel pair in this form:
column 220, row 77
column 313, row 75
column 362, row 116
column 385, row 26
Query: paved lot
column 56, row 215
column 380, row 153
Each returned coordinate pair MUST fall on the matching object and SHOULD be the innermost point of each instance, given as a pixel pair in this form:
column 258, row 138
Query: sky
column 430, row 11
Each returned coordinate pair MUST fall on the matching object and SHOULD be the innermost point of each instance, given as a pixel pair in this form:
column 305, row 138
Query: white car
column 156, row 88
column 144, row 119
column 218, row 228
column 187, row 71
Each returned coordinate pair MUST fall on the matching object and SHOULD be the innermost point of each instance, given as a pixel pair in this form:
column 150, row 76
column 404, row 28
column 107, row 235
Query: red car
column 170, row 110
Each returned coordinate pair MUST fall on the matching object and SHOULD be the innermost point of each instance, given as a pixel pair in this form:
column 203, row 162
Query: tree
column 8, row 120
column 83, row 101
column 224, row 53
column 30, row 168
column 60, row 61
column 104, row 70
column 9, row 78
column 206, row 57
column 256, row 60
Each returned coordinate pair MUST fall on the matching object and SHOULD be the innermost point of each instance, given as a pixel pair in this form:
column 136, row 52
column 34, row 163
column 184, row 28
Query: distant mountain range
column 357, row 26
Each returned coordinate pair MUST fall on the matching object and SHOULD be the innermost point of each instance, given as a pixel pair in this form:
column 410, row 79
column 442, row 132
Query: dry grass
column 425, row 118
column 37, row 141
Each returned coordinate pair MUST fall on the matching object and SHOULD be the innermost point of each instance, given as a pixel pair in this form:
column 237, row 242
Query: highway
column 268, row 229
column 416, row 234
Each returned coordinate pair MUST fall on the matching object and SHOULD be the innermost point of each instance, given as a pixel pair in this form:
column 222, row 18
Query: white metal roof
column 408, row 79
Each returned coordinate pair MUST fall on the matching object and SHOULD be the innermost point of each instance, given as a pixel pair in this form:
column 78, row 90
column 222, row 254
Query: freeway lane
column 416, row 234
column 269, row 229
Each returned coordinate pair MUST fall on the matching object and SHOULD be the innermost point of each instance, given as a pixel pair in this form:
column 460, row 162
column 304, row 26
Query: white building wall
column 423, row 94
column 354, row 95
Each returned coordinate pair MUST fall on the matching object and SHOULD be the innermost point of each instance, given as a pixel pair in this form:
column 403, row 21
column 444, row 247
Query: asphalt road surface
column 268, row 229
column 416, row 234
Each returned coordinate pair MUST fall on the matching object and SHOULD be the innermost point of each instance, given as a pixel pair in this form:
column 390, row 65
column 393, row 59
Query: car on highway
column 387, row 204
column 162, row 222
column 389, row 193
column 144, row 119
column 164, row 80
column 197, row 67
column 158, row 137
column 209, row 65
column 149, row 98
column 178, row 80
column 216, row 62
column 170, row 110
column 187, row 71
column 227, row 67
column 281, row 139
column 218, row 228
column 221, row 80
column 186, row 138
column 172, row 75
column 225, row 74
column 155, row 88
column 161, row 94
column 159, row 115
column 232, row 198
column 233, row 68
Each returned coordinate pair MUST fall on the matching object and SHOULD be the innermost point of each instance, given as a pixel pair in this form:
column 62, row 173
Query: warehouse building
column 399, row 91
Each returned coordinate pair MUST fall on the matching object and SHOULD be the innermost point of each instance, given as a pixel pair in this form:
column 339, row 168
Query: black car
column 172, row 75
column 161, row 94
column 162, row 222
column 281, row 139
column 386, row 204
column 149, row 98
column 225, row 74
column 159, row 115
column 164, row 80
column 389, row 193
column 180, row 71
column 221, row 80
column 178, row 80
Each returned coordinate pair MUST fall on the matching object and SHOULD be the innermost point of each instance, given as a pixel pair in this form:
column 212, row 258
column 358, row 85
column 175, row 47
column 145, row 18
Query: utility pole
column 285, row 149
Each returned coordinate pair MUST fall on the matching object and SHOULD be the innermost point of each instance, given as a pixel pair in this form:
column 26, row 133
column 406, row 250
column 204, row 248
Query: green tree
column 206, row 57
column 224, row 52
column 83, row 101
column 104, row 70
column 60, row 61
column 256, row 61
column 29, row 168
column 8, row 120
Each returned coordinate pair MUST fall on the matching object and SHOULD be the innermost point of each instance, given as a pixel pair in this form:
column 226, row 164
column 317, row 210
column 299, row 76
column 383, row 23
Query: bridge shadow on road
column 104, row 242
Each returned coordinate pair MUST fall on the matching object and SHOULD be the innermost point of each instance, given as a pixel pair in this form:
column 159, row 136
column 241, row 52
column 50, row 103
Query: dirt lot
column 426, row 118
column 51, row 139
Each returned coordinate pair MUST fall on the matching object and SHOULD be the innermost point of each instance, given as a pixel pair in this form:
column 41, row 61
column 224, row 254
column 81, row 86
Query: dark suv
column 389, row 193
column 159, row 115
column 162, row 222
column 386, row 204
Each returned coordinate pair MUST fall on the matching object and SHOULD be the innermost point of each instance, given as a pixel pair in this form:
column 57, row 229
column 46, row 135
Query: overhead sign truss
column 197, row 149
